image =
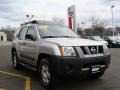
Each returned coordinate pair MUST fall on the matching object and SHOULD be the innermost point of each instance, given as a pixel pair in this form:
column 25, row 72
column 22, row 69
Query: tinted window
column 22, row 32
column 31, row 31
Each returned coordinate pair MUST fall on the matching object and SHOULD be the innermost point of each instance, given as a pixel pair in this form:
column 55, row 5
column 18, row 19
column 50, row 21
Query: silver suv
column 56, row 51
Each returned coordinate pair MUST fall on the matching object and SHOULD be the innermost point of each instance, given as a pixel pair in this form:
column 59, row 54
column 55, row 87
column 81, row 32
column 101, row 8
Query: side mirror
column 29, row 37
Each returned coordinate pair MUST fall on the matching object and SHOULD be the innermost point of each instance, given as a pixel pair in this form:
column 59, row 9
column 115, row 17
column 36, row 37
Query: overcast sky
column 12, row 12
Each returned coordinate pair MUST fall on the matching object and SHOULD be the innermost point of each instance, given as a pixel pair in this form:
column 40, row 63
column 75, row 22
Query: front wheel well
column 42, row 55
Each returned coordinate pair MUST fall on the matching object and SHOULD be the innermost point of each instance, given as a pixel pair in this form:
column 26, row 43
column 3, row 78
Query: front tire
column 46, row 73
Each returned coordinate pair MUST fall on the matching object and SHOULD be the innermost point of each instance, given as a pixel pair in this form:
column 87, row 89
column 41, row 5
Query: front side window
column 31, row 31
column 22, row 32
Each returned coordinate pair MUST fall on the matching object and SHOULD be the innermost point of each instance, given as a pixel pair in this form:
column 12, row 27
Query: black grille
column 83, row 49
column 92, row 49
column 100, row 49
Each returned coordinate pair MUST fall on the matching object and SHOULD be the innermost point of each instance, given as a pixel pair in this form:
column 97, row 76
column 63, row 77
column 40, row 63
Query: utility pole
column 112, row 19
column 83, row 23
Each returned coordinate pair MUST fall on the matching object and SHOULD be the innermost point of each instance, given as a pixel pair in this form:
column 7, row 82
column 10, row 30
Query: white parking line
column 5, row 43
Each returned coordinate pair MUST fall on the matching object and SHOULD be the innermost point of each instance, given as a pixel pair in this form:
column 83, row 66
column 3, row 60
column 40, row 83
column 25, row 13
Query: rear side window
column 22, row 32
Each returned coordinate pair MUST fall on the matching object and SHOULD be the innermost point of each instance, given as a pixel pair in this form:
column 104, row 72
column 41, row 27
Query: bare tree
column 59, row 21
column 98, row 25
column 97, row 22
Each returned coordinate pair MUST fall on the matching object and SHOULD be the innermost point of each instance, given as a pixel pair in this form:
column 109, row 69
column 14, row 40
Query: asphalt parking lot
column 24, row 79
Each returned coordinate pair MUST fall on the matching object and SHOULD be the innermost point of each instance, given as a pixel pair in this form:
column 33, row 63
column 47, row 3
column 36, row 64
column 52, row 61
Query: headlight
column 67, row 51
column 107, row 43
column 106, row 50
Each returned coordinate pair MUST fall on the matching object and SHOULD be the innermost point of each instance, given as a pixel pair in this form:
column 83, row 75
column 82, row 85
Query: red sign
column 70, row 23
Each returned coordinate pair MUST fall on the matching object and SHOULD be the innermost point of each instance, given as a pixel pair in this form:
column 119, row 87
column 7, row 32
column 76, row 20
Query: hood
column 104, row 42
column 74, row 42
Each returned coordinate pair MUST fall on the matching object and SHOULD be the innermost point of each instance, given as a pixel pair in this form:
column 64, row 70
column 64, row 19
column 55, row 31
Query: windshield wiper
column 68, row 36
column 58, row 37
column 49, row 36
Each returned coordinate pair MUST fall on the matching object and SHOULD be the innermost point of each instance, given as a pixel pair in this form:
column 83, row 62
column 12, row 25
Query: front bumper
column 74, row 66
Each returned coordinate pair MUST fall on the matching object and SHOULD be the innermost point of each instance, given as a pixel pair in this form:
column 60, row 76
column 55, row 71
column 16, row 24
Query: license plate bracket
column 95, row 69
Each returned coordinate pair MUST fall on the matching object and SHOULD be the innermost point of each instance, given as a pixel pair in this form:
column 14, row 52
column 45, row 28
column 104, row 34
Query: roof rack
column 41, row 22
column 31, row 22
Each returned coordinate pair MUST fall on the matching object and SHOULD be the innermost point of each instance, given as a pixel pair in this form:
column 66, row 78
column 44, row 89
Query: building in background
column 117, row 29
column 9, row 31
column 3, row 37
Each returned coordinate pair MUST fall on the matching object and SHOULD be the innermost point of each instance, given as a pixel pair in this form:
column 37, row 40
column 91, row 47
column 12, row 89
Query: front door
column 30, row 45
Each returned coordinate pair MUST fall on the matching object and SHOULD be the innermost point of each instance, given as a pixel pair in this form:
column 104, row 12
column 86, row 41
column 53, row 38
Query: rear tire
column 15, row 60
column 46, row 74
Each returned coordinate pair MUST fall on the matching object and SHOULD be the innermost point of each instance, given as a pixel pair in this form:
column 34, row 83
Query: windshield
column 98, row 38
column 47, row 31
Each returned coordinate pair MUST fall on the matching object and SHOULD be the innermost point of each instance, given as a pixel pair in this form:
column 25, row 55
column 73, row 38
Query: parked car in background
column 118, row 37
column 113, row 41
column 96, row 38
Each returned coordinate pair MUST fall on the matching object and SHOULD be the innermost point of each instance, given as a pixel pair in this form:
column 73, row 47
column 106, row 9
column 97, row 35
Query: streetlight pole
column 112, row 19
column 83, row 23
